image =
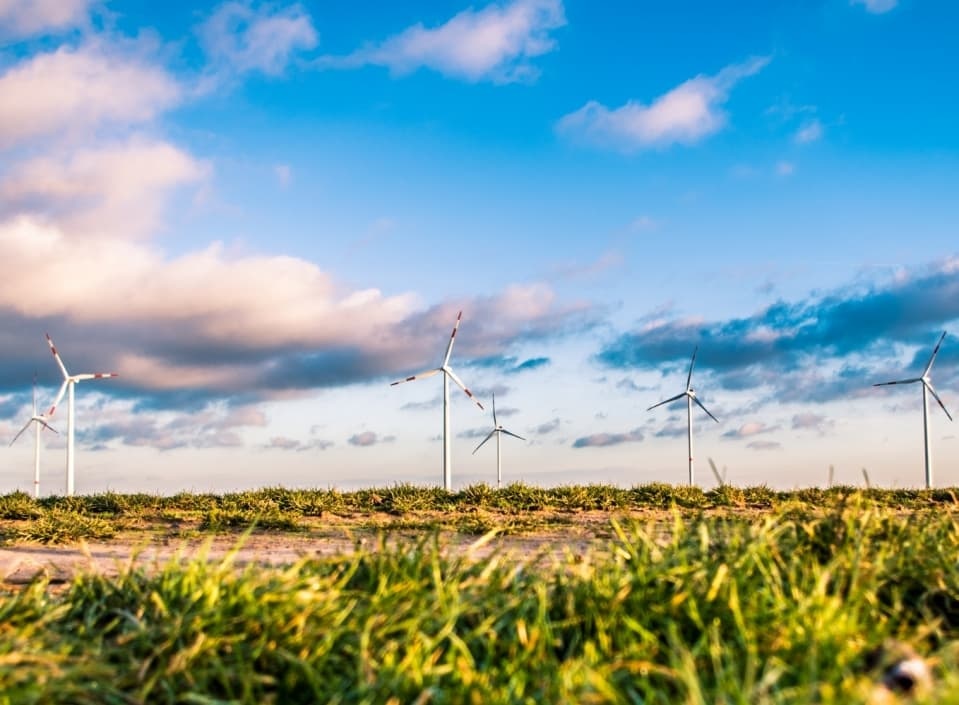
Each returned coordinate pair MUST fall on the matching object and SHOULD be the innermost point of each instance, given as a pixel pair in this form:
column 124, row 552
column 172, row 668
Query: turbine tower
column 498, row 430
column 691, row 397
column 448, row 375
column 41, row 423
column 69, row 382
column 926, row 382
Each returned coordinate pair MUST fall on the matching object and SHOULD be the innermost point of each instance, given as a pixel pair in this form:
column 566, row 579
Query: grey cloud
column 600, row 440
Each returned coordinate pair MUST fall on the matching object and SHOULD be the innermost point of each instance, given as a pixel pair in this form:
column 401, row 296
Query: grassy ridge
column 515, row 508
column 718, row 609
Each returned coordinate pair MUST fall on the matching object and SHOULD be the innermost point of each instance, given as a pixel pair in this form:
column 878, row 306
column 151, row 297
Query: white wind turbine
column 498, row 430
column 41, row 423
column 691, row 397
column 69, row 382
column 926, row 387
column 448, row 374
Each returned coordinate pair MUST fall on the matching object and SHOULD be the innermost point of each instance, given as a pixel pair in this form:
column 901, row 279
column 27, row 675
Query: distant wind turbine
column 448, row 374
column 41, row 423
column 69, row 382
column 926, row 382
column 691, row 397
column 497, row 431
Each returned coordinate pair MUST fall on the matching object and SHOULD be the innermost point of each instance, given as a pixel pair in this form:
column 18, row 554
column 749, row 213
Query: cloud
column 876, row 6
column 673, row 430
column 812, row 422
column 434, row 403
column 113, row 190
column 80, row 215
column 819, row 349
column 533, row 363
column 549, row 427
column 241, row 37
column 809, row 132
column 368, row 438
column 685, row 115
column 764, row 445
column 601, row 440
column 509, row 364
column 628, row 385
column 495, row 43
column 474, row 433
column 74, row 91
column 21, row 18
column 747, row 430
column 293, row 444
column 213, row 426
column 598, row 268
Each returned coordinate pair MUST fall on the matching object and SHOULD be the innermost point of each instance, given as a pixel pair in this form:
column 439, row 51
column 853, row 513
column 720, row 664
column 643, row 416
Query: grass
column 766, row 608
column 515, row 508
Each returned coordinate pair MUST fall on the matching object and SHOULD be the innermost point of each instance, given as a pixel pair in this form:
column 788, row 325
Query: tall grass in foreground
column 779, row 608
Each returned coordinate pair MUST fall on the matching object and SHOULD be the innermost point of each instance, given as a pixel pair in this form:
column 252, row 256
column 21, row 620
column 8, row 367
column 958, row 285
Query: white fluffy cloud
column 23, row 18
column 876, row 6
column 80, row 211
column 685, row 115
column 112, row 190
column 71, row 92
column 241, row 37
column 494, row 43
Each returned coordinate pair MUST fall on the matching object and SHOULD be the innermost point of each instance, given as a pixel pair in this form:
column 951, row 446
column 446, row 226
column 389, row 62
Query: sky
column 259, row 214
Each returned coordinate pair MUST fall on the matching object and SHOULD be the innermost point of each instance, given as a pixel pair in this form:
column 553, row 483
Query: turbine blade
column 666, row 401
column 935, row 351
column 34, row 392
column 418, row 375
column 692, row 362
column 47, row 426
column 56, row 356
column 696, row 399
column 20, row 432
column 449, row 348
column 95, row 375
column 462, row 386
column 63, row 390
column 936, row 397
column 899, row 381
column 491, row 434
column 720, row 480
column 494, row 410
column 510, row 433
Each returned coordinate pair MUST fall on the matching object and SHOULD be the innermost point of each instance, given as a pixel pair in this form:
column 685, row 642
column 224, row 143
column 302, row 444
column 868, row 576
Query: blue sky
column 261, row 213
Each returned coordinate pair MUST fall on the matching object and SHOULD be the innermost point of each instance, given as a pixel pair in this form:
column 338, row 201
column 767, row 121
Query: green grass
column 515, row 508
column 695, row 608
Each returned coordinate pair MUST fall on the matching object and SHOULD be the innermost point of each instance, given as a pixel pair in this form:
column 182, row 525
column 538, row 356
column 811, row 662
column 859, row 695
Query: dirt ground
column 20, row 564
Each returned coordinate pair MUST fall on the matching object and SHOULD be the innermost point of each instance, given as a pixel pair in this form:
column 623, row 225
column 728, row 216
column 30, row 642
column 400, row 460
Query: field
column 652, row 594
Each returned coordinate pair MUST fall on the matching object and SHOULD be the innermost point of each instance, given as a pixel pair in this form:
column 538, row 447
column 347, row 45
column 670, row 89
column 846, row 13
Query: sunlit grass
column 687, row 607
column 515, row 508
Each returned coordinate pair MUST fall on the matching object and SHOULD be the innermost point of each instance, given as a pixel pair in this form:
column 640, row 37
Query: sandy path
column 60, row 564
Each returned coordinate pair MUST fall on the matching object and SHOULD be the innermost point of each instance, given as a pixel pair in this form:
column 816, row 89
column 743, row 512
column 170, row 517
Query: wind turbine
column 69, row 382
column 498, row 430
column 41, row 422
column 926, row 387
column 448, row 374
column 691, row 397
